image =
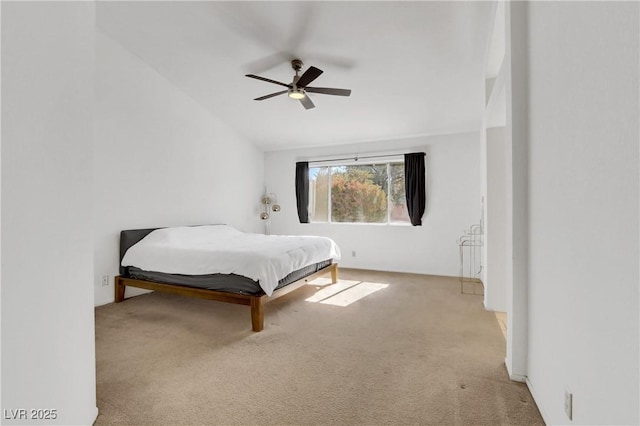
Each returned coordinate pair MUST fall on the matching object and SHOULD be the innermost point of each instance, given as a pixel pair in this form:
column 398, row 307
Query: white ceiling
column 414, row 67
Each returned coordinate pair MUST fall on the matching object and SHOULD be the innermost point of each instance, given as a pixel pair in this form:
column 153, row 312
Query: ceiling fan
column 298, row 88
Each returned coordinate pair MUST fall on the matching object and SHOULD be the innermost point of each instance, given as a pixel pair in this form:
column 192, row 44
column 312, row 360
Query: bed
column 218, row 262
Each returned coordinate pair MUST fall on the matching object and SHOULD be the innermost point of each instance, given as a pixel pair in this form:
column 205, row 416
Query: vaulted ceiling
column 414, row 68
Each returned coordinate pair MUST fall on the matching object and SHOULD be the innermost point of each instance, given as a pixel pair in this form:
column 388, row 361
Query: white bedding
column 201, row 250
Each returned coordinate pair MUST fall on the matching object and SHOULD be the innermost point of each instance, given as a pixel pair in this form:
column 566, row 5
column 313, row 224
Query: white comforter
column 202, row 250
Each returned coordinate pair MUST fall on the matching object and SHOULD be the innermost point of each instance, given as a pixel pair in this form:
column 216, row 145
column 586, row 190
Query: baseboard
column 518, row 378
column 526, row 381
column 493, row 307
column 514, row 377
column 102, row 302
column 95, row 416
column 353, row 268
column 131, row 292
column 535, row 398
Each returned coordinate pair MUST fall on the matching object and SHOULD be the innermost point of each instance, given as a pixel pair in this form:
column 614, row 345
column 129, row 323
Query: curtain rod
column 356, row 158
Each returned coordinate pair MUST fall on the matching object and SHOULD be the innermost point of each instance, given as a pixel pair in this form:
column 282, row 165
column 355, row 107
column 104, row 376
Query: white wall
column 514, row 71
column 495, row 297
column 160, row 159
column 453, row 204
column 494, row 167
column 583, row 255
column 483, row 196
column 48, row 358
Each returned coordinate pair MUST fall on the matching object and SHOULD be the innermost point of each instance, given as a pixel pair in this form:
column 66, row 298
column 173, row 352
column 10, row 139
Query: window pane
column 359, row 193
column 319, row 194
column 399, row 213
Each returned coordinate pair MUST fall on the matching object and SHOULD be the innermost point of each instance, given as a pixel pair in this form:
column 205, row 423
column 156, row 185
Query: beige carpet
column 414, row 352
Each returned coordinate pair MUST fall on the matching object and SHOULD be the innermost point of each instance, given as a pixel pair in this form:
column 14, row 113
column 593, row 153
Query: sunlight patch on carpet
column 330, row 290
column 344, row 292
column 322, row 281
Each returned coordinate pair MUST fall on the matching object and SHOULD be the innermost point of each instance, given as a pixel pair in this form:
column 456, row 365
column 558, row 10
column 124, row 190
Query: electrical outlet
column 353, row 253
column 105, row 280
column 568, row 404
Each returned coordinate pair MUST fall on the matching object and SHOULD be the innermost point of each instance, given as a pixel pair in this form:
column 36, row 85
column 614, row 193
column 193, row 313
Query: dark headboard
column 129, row 238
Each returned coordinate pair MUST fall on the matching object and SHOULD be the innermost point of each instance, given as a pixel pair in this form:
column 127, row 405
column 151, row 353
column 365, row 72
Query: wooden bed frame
column 256, row 302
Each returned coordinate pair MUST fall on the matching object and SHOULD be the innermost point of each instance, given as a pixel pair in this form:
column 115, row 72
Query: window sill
column 391, row 224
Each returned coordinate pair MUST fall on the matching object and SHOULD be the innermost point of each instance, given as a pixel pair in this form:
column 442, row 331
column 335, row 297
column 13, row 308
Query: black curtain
column 302, row 190
column 414, row 185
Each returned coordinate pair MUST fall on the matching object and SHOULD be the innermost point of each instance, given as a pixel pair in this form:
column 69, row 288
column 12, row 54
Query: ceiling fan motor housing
column 297, row 65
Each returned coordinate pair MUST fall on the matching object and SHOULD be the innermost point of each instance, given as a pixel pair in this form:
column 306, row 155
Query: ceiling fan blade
column 309, row 75
column 306, row 103
column 262, row 98
column 329, row 91
column 268, row 80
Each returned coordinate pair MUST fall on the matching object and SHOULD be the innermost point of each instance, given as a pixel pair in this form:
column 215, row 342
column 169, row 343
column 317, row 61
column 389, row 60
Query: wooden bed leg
column 257, row 314
column 334, row 273
column 119, row 288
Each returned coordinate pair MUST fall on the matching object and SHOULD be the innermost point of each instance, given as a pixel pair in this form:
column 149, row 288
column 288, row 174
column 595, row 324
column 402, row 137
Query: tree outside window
column 368, row 193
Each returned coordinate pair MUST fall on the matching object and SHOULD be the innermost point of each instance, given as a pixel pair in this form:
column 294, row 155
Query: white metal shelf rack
column 470, row 249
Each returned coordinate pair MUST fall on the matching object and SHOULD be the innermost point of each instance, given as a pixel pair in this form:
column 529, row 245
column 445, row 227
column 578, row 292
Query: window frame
column 387, row 161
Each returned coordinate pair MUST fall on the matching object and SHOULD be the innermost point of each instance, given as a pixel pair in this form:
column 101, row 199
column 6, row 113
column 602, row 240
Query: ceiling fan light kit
column 296, row 93
column 298, row 88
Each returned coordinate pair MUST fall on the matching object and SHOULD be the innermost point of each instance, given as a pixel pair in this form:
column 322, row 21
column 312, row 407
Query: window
column 362, row 193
